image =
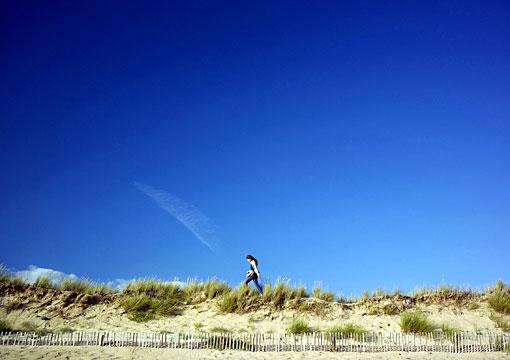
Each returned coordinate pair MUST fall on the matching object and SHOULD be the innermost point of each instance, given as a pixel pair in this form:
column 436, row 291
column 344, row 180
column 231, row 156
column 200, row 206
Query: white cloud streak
column 201, row 226
column 31, row 274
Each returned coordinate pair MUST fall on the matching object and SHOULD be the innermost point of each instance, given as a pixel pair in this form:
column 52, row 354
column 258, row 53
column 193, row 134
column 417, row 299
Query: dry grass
column 318, row 293
column 195, row 292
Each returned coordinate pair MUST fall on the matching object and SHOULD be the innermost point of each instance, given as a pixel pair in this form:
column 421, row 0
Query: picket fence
column 461, row 342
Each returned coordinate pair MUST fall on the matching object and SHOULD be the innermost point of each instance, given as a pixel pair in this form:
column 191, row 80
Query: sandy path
column 83, row 352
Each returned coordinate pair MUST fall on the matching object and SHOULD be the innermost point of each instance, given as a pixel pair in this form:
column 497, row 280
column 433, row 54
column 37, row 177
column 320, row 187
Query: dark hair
column 252, row 258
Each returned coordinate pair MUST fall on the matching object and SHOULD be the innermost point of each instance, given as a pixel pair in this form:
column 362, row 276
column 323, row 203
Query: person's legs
column 252, row 277
column 257, row 285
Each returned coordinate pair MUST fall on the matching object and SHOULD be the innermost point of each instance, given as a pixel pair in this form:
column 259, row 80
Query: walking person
column 253, row 274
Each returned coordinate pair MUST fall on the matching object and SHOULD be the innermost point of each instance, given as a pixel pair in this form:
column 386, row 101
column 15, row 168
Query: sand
column 85, row 352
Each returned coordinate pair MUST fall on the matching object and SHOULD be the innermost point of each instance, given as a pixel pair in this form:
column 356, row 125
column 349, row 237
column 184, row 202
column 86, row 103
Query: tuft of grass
column 141, row 307
column 445, row 293
column 220, row 330
column 198, row 325
column 195, row 292
column 4, row 274
column 299, row 326
column 154, row 288
column 4, row 326
column 347, row 329
column 65, row 329
column 240, row 300
column 415, row 322
column 501, row 322
column 44, row 282
column 318, row 293
column 12, row 305
column 473, row 305
column 449, row 330
column 499, row 300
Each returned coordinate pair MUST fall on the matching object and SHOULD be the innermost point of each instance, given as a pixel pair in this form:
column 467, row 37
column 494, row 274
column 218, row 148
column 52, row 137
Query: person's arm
column 255, row 268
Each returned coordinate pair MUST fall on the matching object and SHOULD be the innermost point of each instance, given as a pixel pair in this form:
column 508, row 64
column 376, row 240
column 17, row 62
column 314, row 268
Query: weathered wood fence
column 461, row 342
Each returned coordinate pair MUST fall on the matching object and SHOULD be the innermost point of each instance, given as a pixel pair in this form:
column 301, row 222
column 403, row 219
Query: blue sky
column 360, row 145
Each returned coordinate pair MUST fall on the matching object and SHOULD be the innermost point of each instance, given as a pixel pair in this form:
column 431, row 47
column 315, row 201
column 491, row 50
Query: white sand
column 100, row 353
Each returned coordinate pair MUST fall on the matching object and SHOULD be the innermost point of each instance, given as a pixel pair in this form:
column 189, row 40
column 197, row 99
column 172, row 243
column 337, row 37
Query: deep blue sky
column 357, row 145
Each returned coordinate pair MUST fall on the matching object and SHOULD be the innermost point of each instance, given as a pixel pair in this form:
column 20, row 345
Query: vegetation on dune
column 415, row 322
column 501, row 322
column 499, row 298
column 220, row 330
column 449, row 330
column 244, row 299
column 12, row 305
column 44, row 282
column 144, row 299
column 318, row 293
column 4, row 326
column 444, row 294
column 195, row 292
column 347, row 329
column 299, row 326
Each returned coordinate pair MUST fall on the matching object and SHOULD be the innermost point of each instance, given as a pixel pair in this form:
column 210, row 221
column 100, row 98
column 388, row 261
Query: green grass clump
column 198, row 325
column 195, row 292
column 415, row 322
column 240, row 300
column 473, row 305
column 318, row 293
column 278, row 296
column 154, row 288
column 80, row 286
column 220, row 330
column 141, row 307
column 4, row 326
column 12, row 305
column 501, row 322
column 299, row 326
column 44, row 282
column 144, row 299
column 449, row 330
column 499, row 299
column 4, row 274
column 347, row 329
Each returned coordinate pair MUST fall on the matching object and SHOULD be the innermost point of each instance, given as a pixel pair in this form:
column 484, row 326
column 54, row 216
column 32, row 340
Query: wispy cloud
column 191, row 217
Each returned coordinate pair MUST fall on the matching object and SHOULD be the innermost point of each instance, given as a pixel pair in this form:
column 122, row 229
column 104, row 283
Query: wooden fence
column 461, row 342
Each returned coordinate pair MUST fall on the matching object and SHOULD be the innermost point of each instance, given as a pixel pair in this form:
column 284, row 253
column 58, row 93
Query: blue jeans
column 254, row 277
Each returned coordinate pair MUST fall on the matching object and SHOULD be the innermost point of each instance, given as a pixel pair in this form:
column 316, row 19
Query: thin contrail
column 192, row 218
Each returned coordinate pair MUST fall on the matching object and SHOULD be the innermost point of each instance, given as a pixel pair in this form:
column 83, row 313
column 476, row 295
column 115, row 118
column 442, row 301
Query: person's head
column 249, row 258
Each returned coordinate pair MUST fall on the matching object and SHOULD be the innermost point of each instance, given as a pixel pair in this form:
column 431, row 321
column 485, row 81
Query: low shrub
column 299, row 326
column 415, row 322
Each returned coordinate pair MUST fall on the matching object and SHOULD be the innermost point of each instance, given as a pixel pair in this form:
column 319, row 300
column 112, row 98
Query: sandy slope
column 82, row 352
column 52, row 315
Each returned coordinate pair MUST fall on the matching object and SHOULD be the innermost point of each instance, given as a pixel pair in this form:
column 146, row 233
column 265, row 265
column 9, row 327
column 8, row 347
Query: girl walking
column 253, row 274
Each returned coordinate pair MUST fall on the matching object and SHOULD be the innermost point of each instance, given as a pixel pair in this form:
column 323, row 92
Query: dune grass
column 499, row 298
column 82, row 286
column 299, row 326
column 220, row 330
column 4, row 326
column 195, row 292
column 12, row 305
column 146, row 298
column 449, row 330
column 318, row 293
column 415, row 322
column 347, row 329
column 44, row 282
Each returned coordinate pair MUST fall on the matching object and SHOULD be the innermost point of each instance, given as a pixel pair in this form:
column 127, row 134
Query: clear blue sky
column 361, row 145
